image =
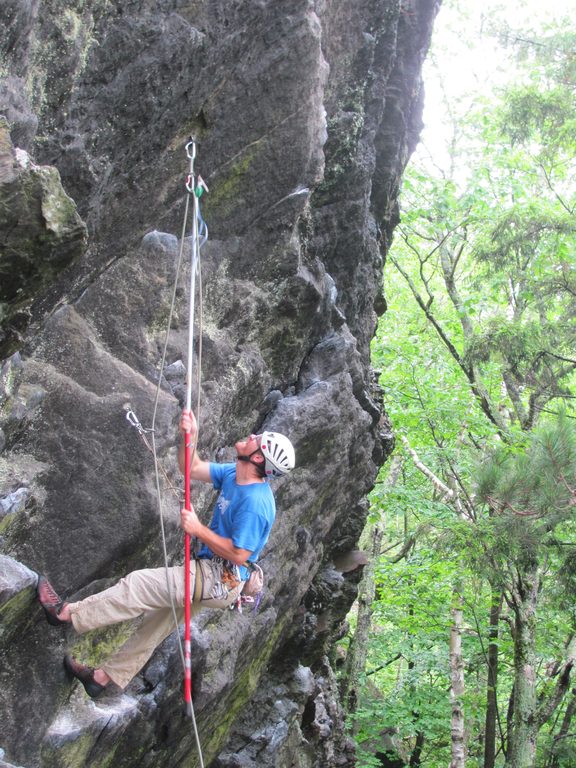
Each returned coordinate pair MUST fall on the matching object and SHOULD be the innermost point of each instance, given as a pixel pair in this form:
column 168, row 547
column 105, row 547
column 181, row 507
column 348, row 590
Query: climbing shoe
column 50, row 601
column 85, row 675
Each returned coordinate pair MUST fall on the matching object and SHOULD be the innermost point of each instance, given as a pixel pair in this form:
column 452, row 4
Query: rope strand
column 157, row 466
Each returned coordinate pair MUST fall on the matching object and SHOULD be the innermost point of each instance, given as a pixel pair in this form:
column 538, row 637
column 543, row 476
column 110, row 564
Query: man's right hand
column 199, row 470
column 190, row 522
column 188, row 423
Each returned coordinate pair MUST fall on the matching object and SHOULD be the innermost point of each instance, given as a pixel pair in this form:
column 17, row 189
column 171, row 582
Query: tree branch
column 549, row 705
column 564, row 205
column 516, row 400
column 449, row 495
column 429, row 316
column 383, row 666
column 477, row 389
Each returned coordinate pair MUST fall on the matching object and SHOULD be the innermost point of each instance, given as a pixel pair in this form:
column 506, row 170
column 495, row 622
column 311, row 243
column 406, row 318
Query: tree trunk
column 522, row 746
column 357, row 652
column 457, row 683
column 491, row 721
column 564, row 731
column 563, row 674
column 416, row 756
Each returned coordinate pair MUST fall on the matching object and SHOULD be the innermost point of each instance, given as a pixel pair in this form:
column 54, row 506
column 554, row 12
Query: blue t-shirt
column 243, row 513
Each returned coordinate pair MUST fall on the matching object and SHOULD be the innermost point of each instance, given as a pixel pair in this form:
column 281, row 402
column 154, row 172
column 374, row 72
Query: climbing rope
column 198, row 238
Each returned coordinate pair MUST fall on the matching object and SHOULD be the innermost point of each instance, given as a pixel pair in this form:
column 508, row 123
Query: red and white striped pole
column 187, row 635
column 188, row 441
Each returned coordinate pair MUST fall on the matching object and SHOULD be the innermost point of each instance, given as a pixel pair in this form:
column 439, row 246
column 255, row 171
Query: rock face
column 304, row 114
column 41, row 234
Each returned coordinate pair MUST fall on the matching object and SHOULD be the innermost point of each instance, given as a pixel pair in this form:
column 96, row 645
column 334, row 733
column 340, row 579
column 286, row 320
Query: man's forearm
column 199, row 469
column 222, row 547
column 182, row 451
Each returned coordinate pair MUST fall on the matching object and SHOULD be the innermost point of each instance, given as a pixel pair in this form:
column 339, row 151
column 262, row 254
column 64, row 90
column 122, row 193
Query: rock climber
column 241, row 523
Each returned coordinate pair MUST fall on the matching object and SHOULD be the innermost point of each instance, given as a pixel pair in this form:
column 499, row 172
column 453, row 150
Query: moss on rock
column 16, row 615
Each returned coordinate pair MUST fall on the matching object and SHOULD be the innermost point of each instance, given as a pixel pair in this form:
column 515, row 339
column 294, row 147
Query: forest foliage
column 467, row 636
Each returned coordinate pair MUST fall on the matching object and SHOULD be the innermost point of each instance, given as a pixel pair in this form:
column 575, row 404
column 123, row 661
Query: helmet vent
column 278, row 452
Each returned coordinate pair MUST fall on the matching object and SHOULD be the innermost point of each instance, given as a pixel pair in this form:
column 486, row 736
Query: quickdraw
column 133, row 420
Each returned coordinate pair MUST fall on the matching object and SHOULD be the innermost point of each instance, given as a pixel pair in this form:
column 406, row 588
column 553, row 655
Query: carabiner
column 191, row 156
column 133, row 420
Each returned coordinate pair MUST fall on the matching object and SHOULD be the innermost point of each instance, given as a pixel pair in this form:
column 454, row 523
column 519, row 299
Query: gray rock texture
column 41, row 234
column 305, row 113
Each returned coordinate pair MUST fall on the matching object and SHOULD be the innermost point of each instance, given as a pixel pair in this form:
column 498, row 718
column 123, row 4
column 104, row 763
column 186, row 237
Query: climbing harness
column 253, row 589
column 195, row 187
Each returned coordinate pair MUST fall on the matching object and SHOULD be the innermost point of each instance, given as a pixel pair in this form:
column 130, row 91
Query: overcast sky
column 466, row 58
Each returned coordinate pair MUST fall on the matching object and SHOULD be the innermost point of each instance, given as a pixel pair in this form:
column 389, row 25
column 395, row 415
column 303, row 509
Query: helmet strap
column 258, row 464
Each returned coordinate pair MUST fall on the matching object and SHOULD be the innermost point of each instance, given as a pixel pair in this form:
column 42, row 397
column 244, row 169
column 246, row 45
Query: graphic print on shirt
column 222, row 504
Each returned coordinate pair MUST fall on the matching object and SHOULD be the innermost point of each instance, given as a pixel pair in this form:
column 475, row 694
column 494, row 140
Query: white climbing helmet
column 278, row 452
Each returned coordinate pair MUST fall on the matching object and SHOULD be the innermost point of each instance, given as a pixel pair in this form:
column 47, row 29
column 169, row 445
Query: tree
column 486, row 250
column 494, row 274
column 532, row 493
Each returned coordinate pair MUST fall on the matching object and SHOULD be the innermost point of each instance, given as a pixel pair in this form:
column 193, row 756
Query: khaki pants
column 150, row 593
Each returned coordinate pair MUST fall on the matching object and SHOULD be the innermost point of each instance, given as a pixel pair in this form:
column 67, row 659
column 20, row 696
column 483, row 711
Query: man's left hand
column 190, row 522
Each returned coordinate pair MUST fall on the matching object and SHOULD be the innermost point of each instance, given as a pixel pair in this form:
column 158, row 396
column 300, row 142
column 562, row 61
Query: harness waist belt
column 198, row 583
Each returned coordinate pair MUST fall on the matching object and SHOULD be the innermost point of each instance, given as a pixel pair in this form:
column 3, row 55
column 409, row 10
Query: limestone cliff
column 305, row 113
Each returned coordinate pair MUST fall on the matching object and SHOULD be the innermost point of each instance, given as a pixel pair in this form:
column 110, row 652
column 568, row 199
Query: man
column 240, row 527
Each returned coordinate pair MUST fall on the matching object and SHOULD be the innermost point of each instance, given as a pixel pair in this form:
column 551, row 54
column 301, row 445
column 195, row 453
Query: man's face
column 247, row 446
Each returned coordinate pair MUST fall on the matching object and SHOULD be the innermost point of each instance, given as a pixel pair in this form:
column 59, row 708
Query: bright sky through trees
column 468, row 58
